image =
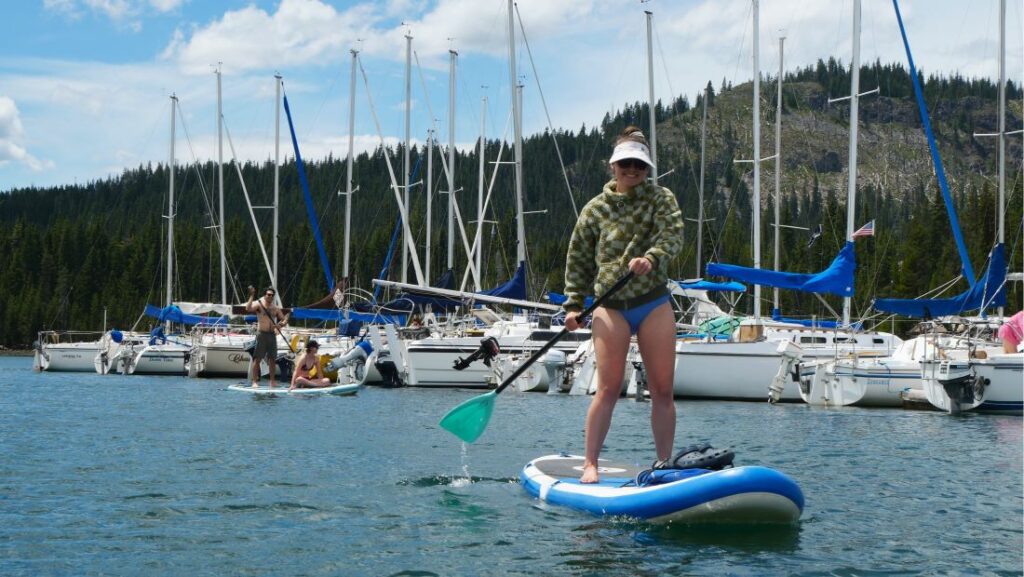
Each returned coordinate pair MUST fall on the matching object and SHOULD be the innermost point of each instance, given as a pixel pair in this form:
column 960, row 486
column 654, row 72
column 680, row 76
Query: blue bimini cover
column 837, row 279
column 990, row 291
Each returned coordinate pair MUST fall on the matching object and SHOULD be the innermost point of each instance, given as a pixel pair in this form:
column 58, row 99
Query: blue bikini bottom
column 636, row 315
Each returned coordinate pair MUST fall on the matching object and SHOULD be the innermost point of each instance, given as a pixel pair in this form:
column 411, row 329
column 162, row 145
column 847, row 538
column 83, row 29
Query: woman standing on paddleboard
column 637, row 226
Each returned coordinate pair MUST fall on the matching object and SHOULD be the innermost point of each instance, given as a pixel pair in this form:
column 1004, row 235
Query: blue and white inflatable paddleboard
column 735, row 495
column 345, row 389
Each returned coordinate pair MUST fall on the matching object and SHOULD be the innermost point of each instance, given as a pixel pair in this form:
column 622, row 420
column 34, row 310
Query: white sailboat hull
column 1004, row 378
column 164, row 359
column 68, row 357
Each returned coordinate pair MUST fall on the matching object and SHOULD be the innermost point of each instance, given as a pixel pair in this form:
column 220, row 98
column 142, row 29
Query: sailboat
column 742, row 368
column 935, row 364
column 968, row 373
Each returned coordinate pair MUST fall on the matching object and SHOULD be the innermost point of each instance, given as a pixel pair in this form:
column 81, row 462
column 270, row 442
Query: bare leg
column 272, row 363
column 657, row 342
column 255, row 372
column 611, row 344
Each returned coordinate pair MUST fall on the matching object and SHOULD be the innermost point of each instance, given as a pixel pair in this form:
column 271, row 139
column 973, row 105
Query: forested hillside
column 75, row 253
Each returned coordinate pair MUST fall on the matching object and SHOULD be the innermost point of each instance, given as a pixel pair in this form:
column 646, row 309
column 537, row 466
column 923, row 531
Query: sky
column 85, row 85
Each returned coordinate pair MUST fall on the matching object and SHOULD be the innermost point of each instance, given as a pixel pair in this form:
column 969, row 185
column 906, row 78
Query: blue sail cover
column 706, row 285
column 515, row 288
column 990, row 291
column 175, row 315
column 837, row 279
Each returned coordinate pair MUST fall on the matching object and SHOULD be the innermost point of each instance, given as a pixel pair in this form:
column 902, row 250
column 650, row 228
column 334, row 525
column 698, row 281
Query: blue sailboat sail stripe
column 837, row 279
column 310, row 210
column 989, row 292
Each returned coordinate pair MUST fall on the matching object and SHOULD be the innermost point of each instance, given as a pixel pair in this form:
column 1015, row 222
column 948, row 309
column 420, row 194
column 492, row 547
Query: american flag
column 866, row 230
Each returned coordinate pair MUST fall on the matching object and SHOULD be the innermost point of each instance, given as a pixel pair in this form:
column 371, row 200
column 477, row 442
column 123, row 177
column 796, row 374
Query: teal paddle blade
column 468, row 420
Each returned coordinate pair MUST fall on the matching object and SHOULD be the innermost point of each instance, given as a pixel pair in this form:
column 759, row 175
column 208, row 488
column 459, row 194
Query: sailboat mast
column 406, row 159
column 650, row 100
column 170, row 214
column 517, row 123
column 756, row 204
column 700, row 190
column 220, row 188
column 480, row 196
column 348, row 164
column 1002, row 121
column 851, row 195
column 430, row 198
column 1002, row 126
column 277, row 174
column 453, row 57
column 778, row 172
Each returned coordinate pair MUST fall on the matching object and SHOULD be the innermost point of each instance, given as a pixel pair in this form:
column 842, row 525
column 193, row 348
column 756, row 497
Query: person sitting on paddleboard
column 306, row 366
column 267, row 315
column 637, row 226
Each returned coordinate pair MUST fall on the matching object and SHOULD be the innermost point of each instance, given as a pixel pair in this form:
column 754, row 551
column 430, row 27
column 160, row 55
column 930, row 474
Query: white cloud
column 300, row 32
column 166, row 5
column 11, row 133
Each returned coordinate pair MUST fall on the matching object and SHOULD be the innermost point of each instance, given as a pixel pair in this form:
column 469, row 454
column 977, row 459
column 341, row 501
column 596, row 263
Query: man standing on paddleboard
column 637, row 226
column 268, row 317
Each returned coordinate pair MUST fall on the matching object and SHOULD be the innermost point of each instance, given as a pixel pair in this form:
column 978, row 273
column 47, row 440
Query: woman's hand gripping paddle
column 468, row 420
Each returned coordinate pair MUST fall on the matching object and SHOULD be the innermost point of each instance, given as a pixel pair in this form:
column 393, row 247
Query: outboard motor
column 356, row 354
column 641, row 380
column 389, row 374
column 488, row 350
column 965, row 390
column 554, row 365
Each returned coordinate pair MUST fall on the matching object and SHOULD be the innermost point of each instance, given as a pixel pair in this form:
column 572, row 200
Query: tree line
column 79, row 254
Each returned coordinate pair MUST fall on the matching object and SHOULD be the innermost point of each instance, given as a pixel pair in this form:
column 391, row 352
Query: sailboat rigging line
column 448, row 175
column 487, row 198
column 547, row 114
column 248, row 205
column 394, row 181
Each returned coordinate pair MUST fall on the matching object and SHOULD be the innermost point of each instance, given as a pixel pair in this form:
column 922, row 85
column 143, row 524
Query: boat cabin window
column 846, row 340
column 813, row 340
column 878, row 341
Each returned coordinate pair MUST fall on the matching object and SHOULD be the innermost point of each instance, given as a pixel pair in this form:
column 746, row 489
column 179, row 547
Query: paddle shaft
column 547, row 346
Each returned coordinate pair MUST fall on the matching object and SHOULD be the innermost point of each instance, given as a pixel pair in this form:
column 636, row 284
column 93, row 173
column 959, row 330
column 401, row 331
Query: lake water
column 112, row 475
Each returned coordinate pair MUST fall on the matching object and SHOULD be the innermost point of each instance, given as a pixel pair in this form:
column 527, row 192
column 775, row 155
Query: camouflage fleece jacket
column 614, row 228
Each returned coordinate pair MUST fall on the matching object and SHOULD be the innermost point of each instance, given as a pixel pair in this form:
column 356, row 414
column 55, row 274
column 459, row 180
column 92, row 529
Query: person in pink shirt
column 1012, row 333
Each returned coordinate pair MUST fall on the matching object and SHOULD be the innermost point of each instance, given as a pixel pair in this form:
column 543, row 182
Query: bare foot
column 589, row 474
column 256, row 385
